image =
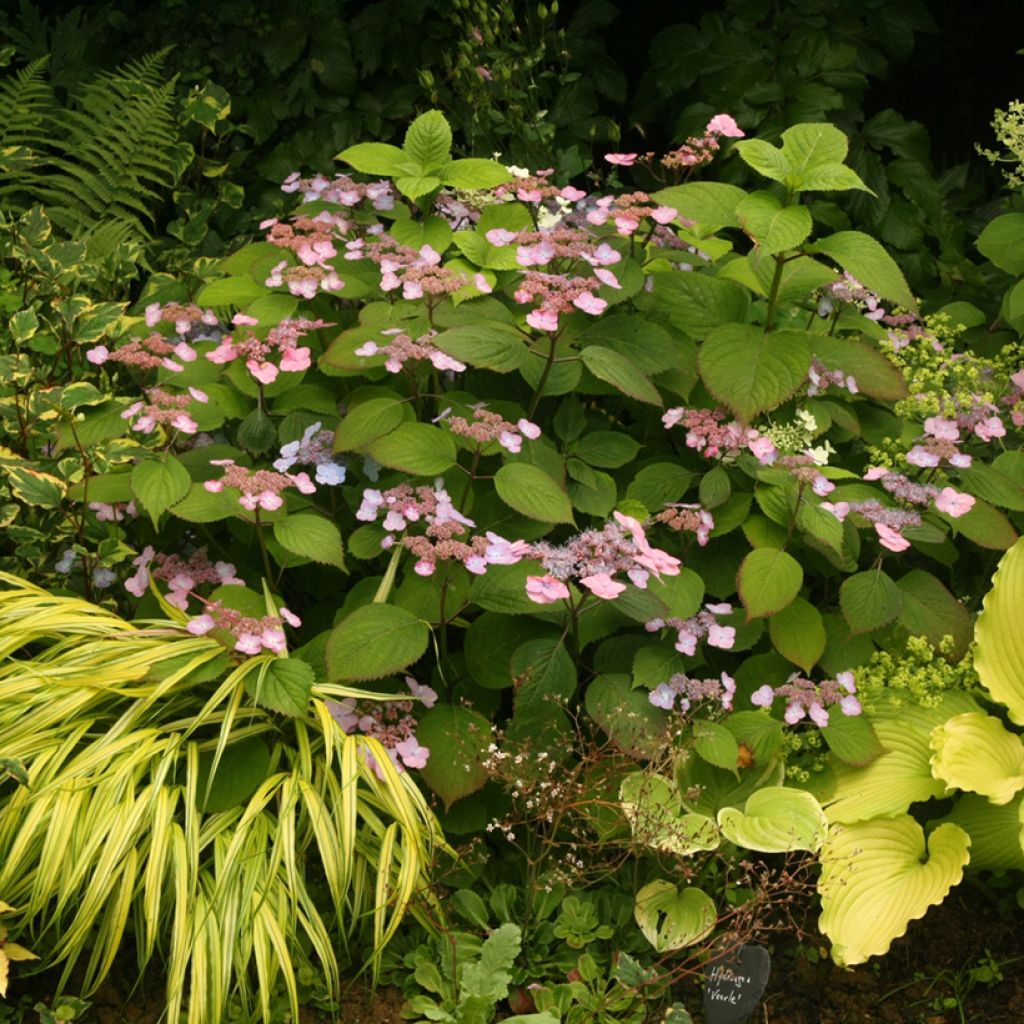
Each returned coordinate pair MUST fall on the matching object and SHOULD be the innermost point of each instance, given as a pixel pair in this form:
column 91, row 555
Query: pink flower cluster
column 418, row 272
column 628, row 211
column 703, row 625
column 708, row 432
column 114, row 512
column 594, row 557
column 571, row 245
column 889, row 523
column 161, row 407
column 951, row 502
column 251, row 635
column 401, row 348
column 184, row 316
column 805, row 698
column 260, row 488
column 310, row 238
column 341, row 190
column 555, row 295
column 389, row 722
column 536, row 188
column 686, row 518
column 688, row 691
column 445, row 536
column 848, row 289
column 304, row 281
column 490, row 426
column 182, row 575
column 281, row 343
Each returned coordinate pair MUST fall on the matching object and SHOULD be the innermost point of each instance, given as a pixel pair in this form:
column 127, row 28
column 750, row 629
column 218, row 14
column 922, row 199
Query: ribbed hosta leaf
column 999, row 659
column 901, row 776
column 876, row 879
column 974, row 752
column 671, row 919
column 776, row 820
column 657, row 819
column 996, row 831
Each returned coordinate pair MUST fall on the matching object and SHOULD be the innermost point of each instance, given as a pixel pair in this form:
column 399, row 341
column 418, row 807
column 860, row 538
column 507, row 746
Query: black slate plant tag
column 734, row 984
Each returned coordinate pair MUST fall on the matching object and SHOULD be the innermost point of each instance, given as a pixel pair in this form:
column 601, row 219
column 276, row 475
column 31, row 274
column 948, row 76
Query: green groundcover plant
column 676, row 475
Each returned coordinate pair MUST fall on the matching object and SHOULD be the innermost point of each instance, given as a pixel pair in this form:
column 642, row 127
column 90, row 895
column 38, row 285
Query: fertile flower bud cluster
column 889, row 523
column 418, row 272
column 703, row 625
column 488, row 426
column 593, row 557
column 281, row 343
column 341, row 190
column 391, row 723
column 147, row 353
column 808, row 699
column 186, row 317
column 401, row 348
column 535, row 188
column 708, row 433
column 251, row 635
column 951, row 502
column 697, row 150
column 304, row 281
column 686, row 518
column 689, row 691
column 260, row 488
column 314, row 448
column 161, row 407
column 571, row 245
column 310, row 238
column 804, row 469
column 182, row 575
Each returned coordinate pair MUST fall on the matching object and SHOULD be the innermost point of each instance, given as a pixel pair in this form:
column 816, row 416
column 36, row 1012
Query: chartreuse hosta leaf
column 996, row 831
column 776, row 820
column 999, row 658
column 902, row 775
column 878, row 876
column 974, row 752
column 671, row 919
column 657, row 819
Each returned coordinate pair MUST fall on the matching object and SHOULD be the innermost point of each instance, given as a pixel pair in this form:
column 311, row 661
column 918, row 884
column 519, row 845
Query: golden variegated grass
column 112, row 719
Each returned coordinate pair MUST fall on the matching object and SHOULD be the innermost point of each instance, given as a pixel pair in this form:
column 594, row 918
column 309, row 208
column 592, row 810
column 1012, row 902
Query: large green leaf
column 869, row 600
column 995, row 829
column 698, row 303
column 367, row 421
column 627, row 715
column 711, row 204
column 492, row 346
column 530, row 491
column 416, row 448
column 621, row 372
column 458, row 739
column 159, row 483
column 973, row 751
column 475, row 173
column 878, row 876
column 798, row 633
column 999, row 655
column 374, row 641
column 752, row 372
column 1002, row 242
column 776, row 819
column 768, row 580
column 774, row 227
column 283, row 685
column 652, row 808
column 544, row 673
column 428, row 140
column 311, row 536
column 930, row 610
column 375, row 158
column 671, row 919
column 874, row 373
column 863, row 257
column 231, row 291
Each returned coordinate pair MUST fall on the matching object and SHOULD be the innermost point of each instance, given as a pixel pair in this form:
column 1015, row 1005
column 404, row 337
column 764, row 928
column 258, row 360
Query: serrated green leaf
column 160, row 483
column 376, row 640
column 798, row 633
column 366, row 422
column 863, row 257
column 283, row 685
column 869, row 600
column 375, row 158
column 428, row 140
column 231, row 291
column 489, row 345
column 621, row 372
column 416, row 448
column 875, row 374
column 768, row 581
column 475, row 173
column 458, row 739
column 752, row 372
column 531, row 492
column 1002, row 242
column 311, row 536
column 774, row 227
